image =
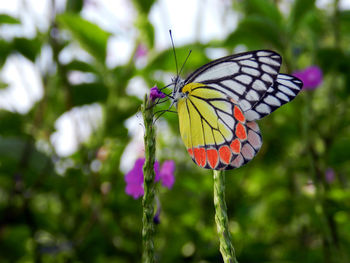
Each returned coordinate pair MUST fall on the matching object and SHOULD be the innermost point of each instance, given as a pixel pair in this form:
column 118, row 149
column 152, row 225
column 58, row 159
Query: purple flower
column 155, row 93
column 156, row 218
column 141, row 51
column 167, row 174
column 311, row 77
column 329, row 175
column 134, row 190
column 134, row 178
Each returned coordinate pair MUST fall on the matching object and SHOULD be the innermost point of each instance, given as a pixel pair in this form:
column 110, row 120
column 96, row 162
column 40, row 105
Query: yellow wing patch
column 212, row 128
column 185, row 123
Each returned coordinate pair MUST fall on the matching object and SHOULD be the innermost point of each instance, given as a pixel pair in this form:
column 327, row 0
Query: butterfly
column 219, row 103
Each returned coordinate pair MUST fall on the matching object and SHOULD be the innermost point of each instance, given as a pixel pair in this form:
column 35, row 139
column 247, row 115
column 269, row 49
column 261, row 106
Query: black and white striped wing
column 244, row 77
column 283, row 90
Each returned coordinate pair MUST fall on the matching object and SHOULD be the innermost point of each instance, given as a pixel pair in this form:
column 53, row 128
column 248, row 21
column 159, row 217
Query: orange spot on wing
column 238, row 114
column 236, row 146
column 199, row 156
column 190, row 152
column 241, row 132
column 225, row 154
column 213, row 157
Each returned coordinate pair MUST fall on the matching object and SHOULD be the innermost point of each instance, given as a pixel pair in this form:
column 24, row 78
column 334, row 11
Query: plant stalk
column 149, row 186
column 226, row 248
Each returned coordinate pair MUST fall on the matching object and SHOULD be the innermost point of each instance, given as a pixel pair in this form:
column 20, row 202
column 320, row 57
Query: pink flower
column 155, row 93
column 311, row 77
column 134, row 178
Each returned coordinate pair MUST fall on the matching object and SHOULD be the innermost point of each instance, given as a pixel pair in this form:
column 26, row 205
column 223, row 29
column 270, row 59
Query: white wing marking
column 268, row 69
column 245, row 105
column 235, row 86
column 252, row 95
column 263, row 108
column 246, row 79
column 271, row 100
column 286, row 91
column 218, row 71
column 251, row 71
column 266, row 77
column 281, row 96
column 263, row 53
column 227, row 119
column 249, row 63
column 289, row 84
column 259, row 85
column 269, row 61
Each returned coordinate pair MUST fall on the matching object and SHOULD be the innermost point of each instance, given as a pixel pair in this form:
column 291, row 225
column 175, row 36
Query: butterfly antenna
column 172, row 43
column 189, row 53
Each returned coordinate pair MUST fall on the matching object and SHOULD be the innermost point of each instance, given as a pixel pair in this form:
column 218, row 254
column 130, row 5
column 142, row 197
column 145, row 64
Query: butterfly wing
column 283, row 90
column 223, row 98
column 214, row 129
column 244, row 77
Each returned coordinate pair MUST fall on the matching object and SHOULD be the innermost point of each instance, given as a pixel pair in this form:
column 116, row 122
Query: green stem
column 149, row 186
column 226, row 248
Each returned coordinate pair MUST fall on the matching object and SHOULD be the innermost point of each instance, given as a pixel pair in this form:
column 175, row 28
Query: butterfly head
column 178, row 85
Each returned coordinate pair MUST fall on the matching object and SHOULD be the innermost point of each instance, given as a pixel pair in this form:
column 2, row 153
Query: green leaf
column 316, row 24
column 29, row 48
column 239, row 37
column 74, row 6
column 10, row 123
column 11, row 147
column 344, row 21
column 80, row 66
column 146, row 29
column 126, row 106
column 344, row 16
column 21, row 155
column 6, row 19
column 299, row 10
column 87, row 93
column 339, row 152
column 263, row 8
column 3, row 85
column 166, row 61
column 257, row 28
column 14, row 238
column 90, row 36
column 332, row 59
column 143, row 6
column 5, row 50
column 120, row 77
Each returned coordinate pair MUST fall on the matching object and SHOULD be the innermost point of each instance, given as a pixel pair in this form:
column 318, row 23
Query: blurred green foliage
column 282, row 207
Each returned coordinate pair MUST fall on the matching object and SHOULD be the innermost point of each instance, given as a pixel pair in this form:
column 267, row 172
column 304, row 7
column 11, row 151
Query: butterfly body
column 219, row 102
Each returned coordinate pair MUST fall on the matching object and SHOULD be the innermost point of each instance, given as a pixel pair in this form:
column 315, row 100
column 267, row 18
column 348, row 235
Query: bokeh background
column 73, row 75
